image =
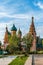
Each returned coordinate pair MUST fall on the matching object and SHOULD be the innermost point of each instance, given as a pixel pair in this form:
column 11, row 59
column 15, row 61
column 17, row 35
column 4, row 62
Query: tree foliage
column 13, row 44
column 13, row 40
column 28, row 40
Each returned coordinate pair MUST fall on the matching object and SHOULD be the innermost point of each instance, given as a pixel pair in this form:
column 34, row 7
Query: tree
column 1, row 51
column 10, row 49
column 13, row 40
column 13, row 44
column 0, row 44
column 28, row 40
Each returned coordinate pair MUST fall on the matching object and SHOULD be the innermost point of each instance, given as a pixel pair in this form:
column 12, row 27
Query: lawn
column 2, row 56
column 19, row 61
column 40, row 52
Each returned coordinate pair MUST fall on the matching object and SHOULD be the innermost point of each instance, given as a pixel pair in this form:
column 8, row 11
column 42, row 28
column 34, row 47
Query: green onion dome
column 13, row 28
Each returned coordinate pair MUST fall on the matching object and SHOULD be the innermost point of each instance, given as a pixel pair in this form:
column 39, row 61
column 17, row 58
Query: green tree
column 13, row 44
column 13, row 40
column 1, row 51
column 28, row 40
column 0, row 44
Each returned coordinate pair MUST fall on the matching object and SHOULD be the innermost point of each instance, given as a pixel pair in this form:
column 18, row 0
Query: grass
column 2, row 56
column 40, row 52
column 19, row 61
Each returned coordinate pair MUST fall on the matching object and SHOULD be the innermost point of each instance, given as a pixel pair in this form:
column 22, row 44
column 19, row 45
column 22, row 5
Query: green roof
column 13, row 28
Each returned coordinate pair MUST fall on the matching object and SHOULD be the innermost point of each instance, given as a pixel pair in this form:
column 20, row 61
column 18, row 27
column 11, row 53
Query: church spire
column 6, row 35
column 32, row 28
column 19, row 33
column 6, row 29
column 33, row 33
column 32, row 19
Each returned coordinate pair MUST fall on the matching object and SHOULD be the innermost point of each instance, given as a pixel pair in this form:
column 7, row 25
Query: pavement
column 34, row 60
column 29, row 61
column 38, row 60
column 6, row 60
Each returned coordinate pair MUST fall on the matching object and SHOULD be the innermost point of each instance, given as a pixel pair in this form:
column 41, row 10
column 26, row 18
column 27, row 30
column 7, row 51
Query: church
column 33, row 33
column 12, row 33
column 35, row 44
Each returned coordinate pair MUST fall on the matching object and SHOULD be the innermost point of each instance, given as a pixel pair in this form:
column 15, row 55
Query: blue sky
column 19, row 12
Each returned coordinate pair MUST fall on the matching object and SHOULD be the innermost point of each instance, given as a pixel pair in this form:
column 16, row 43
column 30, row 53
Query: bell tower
column 6, row 36
column 13, row 30
column 19, row 33
column 33, row 33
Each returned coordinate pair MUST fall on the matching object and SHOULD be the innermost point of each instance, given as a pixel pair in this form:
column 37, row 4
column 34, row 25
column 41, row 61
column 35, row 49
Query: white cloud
column 18, row 16
column 39, row 4
column 22, row 16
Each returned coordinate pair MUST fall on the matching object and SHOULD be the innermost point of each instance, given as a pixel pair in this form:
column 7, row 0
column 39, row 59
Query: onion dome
column 13, row 28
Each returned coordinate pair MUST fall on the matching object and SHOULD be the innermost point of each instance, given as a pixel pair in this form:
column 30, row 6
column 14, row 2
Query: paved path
column 35, row 60
column 7, row 60
column 38, row 59
column 29, row 61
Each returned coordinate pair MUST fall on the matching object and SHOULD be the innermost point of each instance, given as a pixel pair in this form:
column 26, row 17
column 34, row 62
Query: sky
column 20, row 12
